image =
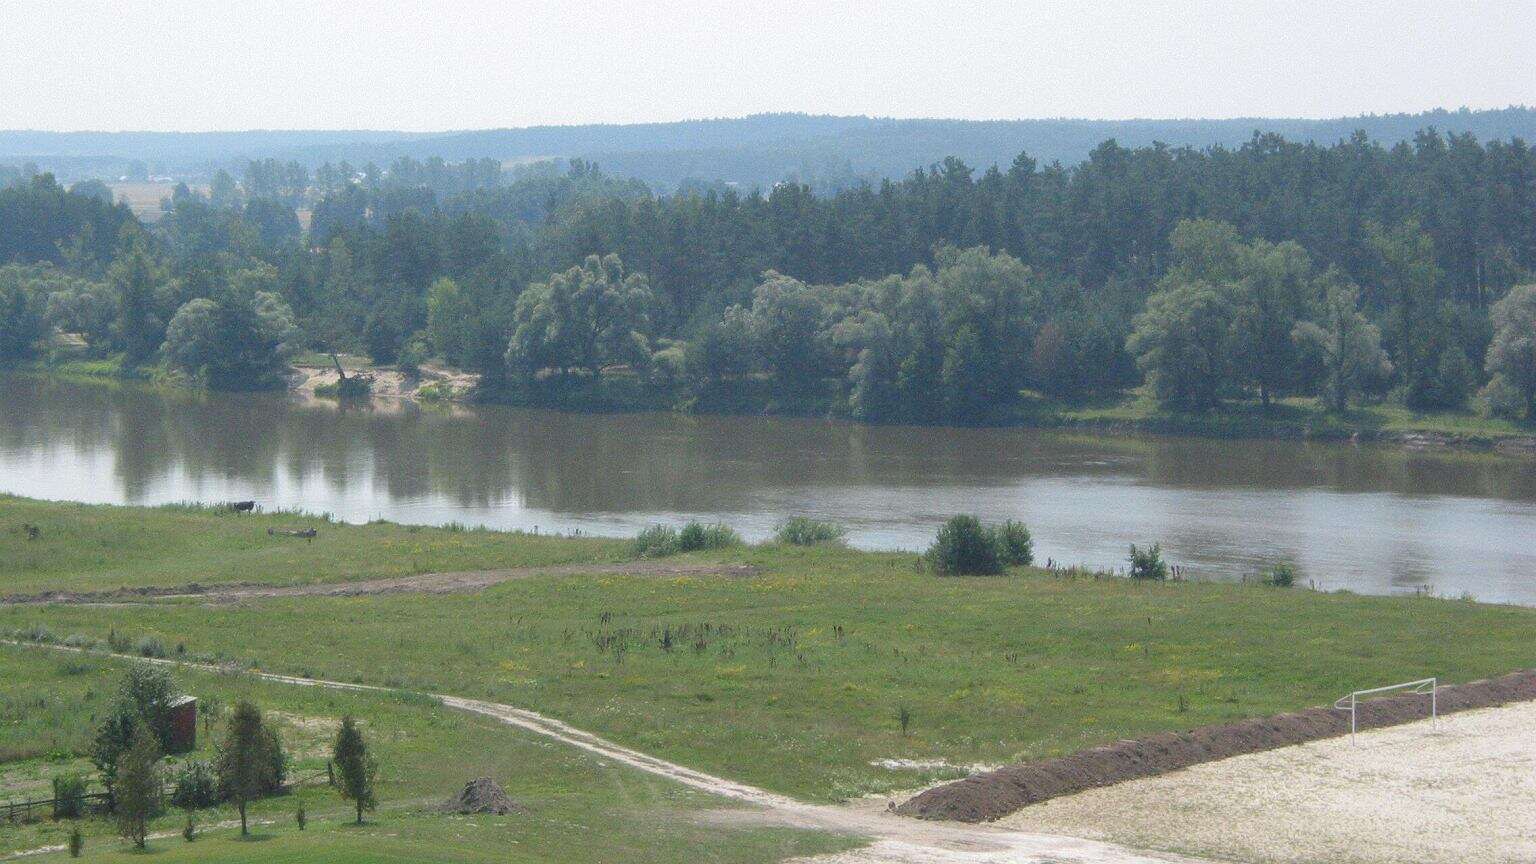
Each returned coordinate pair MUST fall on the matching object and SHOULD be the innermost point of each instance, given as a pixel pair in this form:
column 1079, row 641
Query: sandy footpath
column 1464, row 792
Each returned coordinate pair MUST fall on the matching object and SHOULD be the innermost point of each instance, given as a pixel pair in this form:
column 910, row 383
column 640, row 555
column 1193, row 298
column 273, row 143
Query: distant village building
column 184, row 724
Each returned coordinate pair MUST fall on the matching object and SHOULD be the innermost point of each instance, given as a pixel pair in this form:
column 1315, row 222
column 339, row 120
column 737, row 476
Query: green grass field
column 83, row 547
column 580, row 810
column 792, row 679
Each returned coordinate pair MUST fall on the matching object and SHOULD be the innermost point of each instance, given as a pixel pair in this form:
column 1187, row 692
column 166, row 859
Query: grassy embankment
column 792, row 678
column 1295, row 417
column 580, row 809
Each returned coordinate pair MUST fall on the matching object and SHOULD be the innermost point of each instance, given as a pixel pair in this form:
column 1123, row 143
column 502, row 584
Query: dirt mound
column 984, row 797
column 483, row 796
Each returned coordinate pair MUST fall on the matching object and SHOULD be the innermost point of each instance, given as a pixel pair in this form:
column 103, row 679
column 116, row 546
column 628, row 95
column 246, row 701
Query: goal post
column 1429, row 686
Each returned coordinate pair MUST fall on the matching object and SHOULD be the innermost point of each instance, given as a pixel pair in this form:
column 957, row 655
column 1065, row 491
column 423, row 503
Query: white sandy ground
column 894, row 839
column 1465, row 792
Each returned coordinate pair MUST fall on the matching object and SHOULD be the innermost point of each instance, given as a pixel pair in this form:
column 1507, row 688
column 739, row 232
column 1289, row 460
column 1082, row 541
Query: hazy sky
column 242, row 64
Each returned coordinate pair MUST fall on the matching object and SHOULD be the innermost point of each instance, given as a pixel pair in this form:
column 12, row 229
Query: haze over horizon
column 478, row 65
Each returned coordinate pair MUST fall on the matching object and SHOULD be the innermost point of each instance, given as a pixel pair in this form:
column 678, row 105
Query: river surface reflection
column 1370, row 519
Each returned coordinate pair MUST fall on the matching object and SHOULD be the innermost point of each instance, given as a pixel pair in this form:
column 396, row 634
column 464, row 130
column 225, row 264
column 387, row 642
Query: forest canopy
column 1345, row 271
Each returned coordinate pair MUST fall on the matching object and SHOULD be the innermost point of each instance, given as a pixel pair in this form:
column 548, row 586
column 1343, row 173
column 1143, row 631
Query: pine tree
column 136, row 794
column 356, row 771
column 245, row 764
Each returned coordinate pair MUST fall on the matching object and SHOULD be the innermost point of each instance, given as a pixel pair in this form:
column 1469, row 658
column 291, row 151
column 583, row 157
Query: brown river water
column 1370, row 519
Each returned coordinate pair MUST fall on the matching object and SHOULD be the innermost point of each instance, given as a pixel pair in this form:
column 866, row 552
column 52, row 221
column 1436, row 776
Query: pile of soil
column 984, row 797
column 483, row 796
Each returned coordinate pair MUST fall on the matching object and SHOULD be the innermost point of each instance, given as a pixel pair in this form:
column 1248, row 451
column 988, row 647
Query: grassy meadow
column 794, row 678
column 580, row 808
column 84, row 547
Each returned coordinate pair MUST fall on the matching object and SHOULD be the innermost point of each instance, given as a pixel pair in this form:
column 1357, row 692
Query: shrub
column 1282, row 575
column 37, row 633
column 76, row 842
column 189, row 830
column 437, row 391
column 655, row 542
column 195, row 787
column 1014, row 545
column 68, row 796
column 1148, row 564
column 695, row 536
column 357, row 387
column 964, row 546
column 661, row 540
column 802, row 531
column 149, row 646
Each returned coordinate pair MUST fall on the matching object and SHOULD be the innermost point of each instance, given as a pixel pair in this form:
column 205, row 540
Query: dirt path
column 425, row 583
column 1409, row 794
column 894, row 839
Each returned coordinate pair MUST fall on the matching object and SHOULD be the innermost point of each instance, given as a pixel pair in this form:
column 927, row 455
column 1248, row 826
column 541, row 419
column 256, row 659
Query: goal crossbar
column 1351, row 702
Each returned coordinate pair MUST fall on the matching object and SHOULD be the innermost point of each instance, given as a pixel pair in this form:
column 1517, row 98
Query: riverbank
column 1130, row 412
column 823, row 673
column 1294, row 419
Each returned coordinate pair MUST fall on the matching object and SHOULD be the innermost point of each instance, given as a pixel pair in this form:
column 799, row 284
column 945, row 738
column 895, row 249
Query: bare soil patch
column 426, row 583
column 984, row 797
column 1460, row 790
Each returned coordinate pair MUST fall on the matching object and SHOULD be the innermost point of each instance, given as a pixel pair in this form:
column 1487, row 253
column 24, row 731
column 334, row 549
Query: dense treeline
column 758, row 151
column 1272, row 269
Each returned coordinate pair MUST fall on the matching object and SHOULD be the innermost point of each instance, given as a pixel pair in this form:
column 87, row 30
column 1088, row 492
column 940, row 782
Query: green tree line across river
column 1349, row 271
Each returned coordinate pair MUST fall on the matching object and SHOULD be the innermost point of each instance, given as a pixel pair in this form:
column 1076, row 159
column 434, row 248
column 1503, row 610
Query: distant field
column 144, row 199
column 791, row 675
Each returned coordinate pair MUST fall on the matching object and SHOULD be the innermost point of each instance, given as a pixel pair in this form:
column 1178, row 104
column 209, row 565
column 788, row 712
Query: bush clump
column 659, row 541
column 1148, row 564
column 68, row 796
column 804, row 531
column 967, row 547
column 196, row 787
column 357, row 387
column 1282, row 575
column 655, row 542
column 696, row 536
column 1014, row 545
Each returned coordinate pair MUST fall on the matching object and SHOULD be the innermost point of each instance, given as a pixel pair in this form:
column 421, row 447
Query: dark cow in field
column 241, row 506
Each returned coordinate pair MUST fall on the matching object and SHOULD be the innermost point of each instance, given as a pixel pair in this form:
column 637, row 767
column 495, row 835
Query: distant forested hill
column 759, row 150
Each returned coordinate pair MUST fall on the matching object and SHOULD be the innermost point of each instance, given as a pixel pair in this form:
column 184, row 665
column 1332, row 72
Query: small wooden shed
column 183, row 724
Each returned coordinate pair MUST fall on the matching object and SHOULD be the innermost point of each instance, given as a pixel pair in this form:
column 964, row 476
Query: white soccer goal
column 1430, row 686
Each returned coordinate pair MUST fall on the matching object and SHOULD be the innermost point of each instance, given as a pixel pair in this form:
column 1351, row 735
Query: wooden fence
column 21, row 812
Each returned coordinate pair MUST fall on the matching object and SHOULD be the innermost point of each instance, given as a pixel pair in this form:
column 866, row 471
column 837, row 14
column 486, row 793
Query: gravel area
column 1464, row 791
